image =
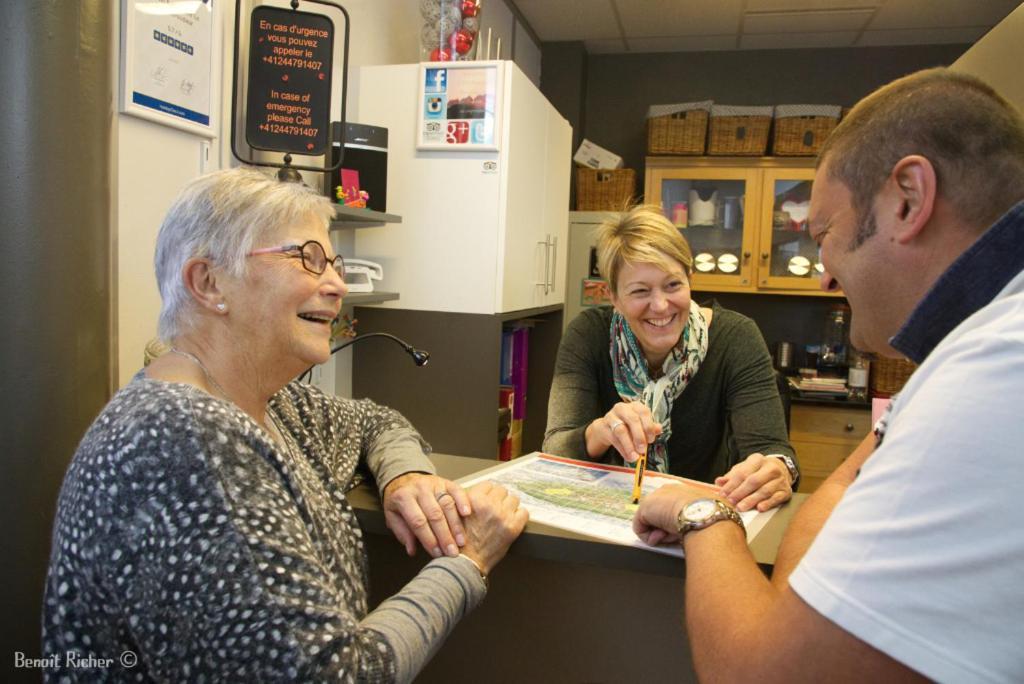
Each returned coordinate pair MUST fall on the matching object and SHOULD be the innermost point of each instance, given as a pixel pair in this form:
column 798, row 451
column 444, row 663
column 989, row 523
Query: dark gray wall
column 619, row 88
column 563, row 81
column 55, row 291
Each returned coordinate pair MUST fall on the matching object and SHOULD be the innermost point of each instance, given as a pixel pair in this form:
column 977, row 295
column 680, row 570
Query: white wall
column 998, row 56
column 152, row 162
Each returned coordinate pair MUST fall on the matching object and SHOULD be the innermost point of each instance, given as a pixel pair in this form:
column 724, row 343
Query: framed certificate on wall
column 459, row 106
column 170, row 62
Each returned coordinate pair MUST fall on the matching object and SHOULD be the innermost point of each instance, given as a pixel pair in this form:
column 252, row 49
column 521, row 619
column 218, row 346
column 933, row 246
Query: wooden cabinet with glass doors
column 745, row 220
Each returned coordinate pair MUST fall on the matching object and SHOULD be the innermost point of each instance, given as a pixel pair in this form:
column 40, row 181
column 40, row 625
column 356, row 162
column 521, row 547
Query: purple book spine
column 520, row 353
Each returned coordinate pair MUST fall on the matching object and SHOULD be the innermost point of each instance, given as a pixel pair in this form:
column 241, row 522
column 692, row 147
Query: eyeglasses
column 314, row 258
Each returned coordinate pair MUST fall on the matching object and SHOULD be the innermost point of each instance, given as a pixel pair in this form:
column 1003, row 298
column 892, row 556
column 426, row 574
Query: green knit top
column 730, row 409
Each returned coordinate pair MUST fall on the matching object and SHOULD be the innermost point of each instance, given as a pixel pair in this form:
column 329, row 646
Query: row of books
column 819, row 387
column 515, row 346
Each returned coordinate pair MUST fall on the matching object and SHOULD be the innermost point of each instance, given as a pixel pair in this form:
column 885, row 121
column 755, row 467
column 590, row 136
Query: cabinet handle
column 547, row 262
column 764, row 257
column 849, row 427
column 554, row 260
column 746, row 257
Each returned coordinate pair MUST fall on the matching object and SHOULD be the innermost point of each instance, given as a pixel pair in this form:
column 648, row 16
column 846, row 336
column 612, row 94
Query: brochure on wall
column 588, row 498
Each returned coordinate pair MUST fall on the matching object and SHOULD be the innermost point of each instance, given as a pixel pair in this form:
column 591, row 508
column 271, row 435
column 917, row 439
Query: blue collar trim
column 971, row 282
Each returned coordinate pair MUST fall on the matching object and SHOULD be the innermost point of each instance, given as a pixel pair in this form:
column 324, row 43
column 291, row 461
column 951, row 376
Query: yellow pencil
column 638, row 475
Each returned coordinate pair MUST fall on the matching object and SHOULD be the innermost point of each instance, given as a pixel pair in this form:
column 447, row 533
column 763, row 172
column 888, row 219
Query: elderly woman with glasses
column 203, row 525
column 655, row 373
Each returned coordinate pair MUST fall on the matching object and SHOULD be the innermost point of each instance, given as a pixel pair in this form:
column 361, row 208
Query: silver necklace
column 276, row 433
column 195, row 359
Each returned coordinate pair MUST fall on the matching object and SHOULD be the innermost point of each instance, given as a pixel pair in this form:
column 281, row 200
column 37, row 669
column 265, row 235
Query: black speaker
column 366, row 151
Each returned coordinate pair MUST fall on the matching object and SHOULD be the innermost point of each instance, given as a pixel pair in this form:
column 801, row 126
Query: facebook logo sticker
column 436, row 81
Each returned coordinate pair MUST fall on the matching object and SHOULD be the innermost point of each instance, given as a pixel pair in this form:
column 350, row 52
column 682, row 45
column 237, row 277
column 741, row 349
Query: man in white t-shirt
column 908, row 562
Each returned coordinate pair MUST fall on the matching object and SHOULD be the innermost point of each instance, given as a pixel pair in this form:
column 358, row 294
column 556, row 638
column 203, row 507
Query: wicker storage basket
column 889, row 375
column 678, row 129
column 739, row 130
column 604, row 189
column 800, row 130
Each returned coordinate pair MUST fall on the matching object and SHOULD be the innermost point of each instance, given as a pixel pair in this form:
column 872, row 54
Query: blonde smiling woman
column 692, row 385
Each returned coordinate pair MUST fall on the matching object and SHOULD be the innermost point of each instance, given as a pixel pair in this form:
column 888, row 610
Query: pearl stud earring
column 222, row 307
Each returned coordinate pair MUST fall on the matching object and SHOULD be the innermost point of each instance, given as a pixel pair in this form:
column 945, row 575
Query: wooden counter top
column 548, row 543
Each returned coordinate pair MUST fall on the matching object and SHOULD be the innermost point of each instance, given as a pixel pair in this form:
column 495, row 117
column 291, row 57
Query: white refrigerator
column 482, row 231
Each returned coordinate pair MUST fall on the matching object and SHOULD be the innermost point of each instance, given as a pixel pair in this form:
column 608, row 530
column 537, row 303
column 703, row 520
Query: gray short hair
column 221, row 216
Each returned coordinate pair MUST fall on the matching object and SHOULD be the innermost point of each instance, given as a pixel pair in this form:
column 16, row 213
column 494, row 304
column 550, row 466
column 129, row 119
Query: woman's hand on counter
column 496, row 522
column 758, row 481
column 628, row 426
column 427, row 508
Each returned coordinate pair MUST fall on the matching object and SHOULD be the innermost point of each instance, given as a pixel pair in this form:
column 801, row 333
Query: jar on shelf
column 857, row 378
column 832, row 357
column 450, row 30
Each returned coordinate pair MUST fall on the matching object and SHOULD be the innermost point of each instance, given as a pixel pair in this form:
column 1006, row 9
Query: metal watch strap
column 794, row 472
column 723, row 512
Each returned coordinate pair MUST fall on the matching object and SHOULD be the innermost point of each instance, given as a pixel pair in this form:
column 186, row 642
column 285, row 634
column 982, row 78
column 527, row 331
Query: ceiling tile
column 934, row 13
column 804, row 5
column 682, row 44
column 569, row 19
column 677, row 18
column 790, row 41
column 806, row 22
column 934, row 36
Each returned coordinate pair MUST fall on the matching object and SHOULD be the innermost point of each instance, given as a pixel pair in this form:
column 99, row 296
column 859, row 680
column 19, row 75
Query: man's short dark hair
column 972, row 136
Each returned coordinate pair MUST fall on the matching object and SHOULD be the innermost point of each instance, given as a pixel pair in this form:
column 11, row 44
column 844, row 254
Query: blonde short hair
column 640, row 235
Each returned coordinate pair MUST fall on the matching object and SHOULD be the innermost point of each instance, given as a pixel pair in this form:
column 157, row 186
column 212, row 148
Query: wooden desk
column 561, row 607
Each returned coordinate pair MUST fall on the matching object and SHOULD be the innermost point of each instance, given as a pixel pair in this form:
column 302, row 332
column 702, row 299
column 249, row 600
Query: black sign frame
column 286, row 163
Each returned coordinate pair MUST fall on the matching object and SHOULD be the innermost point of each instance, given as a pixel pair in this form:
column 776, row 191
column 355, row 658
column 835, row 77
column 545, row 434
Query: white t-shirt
column 923, row 558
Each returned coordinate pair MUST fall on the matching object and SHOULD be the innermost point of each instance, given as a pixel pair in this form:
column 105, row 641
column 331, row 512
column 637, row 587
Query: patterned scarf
column 633, row 381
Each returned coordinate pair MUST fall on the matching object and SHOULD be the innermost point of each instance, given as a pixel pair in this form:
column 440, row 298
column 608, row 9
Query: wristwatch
column 701, row 513
column 794, row 472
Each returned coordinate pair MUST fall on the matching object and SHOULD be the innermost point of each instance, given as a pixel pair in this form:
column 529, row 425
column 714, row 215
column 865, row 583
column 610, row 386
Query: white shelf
column 361, row 298
column 354, row 217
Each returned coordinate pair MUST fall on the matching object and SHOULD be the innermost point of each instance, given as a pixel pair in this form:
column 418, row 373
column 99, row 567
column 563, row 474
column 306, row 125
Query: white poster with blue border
column 170, row 62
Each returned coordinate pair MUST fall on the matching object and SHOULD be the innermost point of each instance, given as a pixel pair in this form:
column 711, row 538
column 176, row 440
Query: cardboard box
column 596, row 157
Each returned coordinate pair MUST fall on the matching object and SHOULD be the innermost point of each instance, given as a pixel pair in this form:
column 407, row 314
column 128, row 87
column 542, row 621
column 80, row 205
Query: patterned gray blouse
column 185, row 535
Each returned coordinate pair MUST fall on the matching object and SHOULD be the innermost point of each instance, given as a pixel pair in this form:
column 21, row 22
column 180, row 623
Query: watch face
column 699, row 510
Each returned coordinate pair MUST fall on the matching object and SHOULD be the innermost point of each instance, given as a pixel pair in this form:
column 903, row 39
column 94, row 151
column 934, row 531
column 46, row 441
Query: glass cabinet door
column 710, row 209
column 788, row 257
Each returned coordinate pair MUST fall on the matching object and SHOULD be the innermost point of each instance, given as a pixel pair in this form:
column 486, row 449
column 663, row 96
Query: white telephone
column 360, row 274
